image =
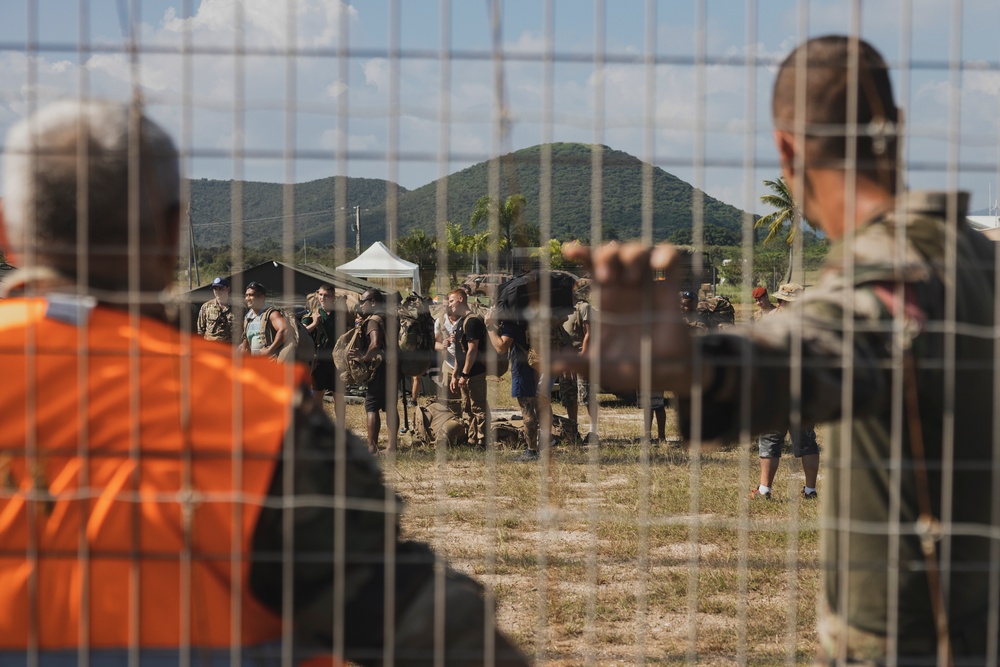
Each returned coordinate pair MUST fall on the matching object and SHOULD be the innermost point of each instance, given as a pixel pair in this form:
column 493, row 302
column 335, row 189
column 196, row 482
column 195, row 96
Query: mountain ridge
column 570, row 195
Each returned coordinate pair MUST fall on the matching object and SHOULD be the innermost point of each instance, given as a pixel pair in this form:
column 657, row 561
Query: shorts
column 803, row 443
column 574, row 389
column 324, row 376
column 375, row 391
column 568, row 387
column 657, row 402
column 523, row 382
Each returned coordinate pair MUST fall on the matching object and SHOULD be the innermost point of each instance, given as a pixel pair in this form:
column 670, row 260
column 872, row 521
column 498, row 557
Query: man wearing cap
column 804, row 443
column 215, row 319
column 786, row 294
column 764, row 305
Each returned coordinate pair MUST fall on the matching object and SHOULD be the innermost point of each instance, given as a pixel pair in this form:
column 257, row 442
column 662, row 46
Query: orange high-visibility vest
column 133, row 461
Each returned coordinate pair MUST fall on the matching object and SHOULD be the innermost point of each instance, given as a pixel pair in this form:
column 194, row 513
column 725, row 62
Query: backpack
column 416, row 336
column 716, row 312
column 350, row 345
column 302, row 347
column 435, row 424
column 559, row 340
column 506, row 434
column 299, row 347
column 518, row 299
column 574, row 323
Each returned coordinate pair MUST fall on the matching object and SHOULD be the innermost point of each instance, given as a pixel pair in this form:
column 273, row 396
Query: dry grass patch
column 623, row 553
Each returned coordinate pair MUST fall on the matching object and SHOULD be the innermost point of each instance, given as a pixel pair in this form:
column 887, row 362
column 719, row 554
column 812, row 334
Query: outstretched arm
column 641, row 326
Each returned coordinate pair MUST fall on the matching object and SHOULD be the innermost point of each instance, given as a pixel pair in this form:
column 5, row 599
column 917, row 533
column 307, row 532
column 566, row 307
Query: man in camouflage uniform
column 215, row 319
column 574, row 388
column 893, row 348
column 764, row 305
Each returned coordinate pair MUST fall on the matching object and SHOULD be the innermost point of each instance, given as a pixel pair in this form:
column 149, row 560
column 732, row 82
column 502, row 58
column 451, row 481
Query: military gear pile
column 715, row 312
column 435, row 424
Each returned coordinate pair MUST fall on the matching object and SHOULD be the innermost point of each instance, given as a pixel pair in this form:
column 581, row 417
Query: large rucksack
column 299, row 346
column 416, row 336
column 302, row 347
column 348, row 348
column 519, row 299
column 436, row 424
column 716, row 312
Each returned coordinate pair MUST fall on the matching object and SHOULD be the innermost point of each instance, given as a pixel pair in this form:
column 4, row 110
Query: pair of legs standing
column 657, row 408
column 375, row 401
column 804, row 446
column 474, row 403
column 574, row 389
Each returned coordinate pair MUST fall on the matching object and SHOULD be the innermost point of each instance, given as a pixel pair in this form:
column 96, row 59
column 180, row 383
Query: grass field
column 623, row 553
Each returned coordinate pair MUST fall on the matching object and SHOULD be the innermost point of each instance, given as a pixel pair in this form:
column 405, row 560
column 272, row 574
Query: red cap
column 759, row 292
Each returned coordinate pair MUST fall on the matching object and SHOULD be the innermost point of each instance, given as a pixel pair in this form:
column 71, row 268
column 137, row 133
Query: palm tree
column 476, row 245
column 508, row 214
column 787, row 212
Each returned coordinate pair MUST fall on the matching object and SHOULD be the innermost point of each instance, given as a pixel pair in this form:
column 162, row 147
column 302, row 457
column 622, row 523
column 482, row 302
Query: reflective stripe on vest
column 119, row 453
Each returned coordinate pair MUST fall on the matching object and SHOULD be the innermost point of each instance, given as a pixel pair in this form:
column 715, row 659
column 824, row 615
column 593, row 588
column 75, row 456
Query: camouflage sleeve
column 349, row 567
column 801, row 358
column 202, row 325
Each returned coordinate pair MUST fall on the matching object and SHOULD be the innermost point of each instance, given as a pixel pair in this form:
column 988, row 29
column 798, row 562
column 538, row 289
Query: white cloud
column 216, row 78
column 336, row 89
column 263, row 22
column 377, row 73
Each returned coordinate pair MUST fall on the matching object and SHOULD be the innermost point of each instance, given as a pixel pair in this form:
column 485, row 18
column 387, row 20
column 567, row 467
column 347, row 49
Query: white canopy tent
column 379, row 262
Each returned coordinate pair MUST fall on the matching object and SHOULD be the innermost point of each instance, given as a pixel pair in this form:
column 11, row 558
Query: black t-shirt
column 470, row 328
column 518, row 353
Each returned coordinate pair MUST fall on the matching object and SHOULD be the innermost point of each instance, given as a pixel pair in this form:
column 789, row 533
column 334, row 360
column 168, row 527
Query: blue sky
column 271, row 116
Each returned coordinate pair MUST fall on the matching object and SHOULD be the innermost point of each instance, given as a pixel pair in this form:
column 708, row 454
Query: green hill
column 315, row 204
column 315, row 209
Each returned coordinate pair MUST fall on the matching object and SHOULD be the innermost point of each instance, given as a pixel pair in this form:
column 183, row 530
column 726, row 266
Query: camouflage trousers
column 474, row 403
column 529, row 416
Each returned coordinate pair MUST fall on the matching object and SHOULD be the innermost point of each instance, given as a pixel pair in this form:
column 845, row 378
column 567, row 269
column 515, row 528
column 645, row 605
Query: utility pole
column 193, row 256
column 357, row 228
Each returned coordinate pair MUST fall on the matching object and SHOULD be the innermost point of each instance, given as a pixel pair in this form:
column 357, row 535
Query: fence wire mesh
column 476, row 140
